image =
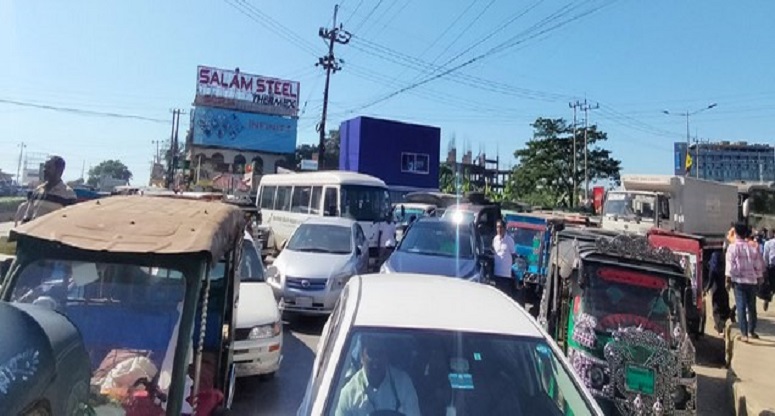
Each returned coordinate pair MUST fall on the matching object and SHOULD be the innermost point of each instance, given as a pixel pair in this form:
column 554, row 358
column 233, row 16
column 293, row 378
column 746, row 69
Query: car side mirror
column 282, row 245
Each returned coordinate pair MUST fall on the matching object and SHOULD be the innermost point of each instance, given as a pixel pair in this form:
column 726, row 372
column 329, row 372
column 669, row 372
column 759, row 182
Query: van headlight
column 265, row 331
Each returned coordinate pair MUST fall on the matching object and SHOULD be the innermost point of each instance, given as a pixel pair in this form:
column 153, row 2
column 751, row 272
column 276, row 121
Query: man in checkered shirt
column 744, row 270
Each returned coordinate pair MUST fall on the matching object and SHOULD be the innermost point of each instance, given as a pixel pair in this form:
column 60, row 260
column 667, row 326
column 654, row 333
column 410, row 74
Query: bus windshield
column 762, row 201
column 365, row 203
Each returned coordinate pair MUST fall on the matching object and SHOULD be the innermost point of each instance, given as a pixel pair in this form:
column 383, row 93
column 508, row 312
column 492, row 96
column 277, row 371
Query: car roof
column 419, row 301
column 322, row 178
column 344, row 222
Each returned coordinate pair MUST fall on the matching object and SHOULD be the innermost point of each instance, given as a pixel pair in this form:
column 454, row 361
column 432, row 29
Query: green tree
column 110, row 168
column 330, row 159
column 544, row 173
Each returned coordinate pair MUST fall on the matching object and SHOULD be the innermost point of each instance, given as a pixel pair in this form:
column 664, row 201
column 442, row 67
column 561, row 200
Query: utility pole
column 687, row 114
column 157, row 156
column 173, row 158
column 335, row 35
column 586, row 107
column 574, row 105
column 22, row 146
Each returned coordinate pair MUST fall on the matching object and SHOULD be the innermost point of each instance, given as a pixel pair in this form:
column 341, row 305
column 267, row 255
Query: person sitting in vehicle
column 377, row 385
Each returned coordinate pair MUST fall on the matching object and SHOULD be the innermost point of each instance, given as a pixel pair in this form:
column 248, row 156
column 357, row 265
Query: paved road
column 282, row 395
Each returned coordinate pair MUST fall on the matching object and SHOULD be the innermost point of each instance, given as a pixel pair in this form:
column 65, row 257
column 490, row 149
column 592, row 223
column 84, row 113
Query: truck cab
column 637, row 211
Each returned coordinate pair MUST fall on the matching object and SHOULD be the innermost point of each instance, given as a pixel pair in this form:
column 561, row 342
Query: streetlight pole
column 687, row 114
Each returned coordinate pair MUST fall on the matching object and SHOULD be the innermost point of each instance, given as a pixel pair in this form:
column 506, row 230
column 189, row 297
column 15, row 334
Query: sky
column 508, row 62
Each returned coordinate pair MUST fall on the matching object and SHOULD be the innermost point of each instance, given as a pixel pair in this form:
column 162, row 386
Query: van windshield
column 365, row 203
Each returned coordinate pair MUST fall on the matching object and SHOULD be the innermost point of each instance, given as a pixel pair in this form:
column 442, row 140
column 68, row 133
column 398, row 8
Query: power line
column 368, row 16
column 81, row 111
column 276, row 27
column 500, row 48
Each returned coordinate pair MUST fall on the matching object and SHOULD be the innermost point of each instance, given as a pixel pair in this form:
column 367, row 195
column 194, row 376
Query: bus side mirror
column 746, row 207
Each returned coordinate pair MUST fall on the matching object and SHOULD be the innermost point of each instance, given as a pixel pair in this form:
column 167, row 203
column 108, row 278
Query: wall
column 400, row 154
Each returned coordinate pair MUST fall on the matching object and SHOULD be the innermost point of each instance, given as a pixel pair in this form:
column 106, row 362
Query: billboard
column 244, row 131
column 245, row 92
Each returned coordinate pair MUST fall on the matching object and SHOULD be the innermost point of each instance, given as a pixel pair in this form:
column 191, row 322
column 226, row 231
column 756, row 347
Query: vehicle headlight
column 265, row 331
column 597, row 377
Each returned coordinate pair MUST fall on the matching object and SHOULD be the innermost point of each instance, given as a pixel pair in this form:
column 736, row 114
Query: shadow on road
column 283, row 394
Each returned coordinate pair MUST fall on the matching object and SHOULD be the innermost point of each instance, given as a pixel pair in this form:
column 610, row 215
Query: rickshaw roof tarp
column 140, row 224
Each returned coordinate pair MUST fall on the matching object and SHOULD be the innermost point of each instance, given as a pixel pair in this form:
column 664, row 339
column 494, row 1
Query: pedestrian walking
column 768, row 285
column 715, row 285
column 744, row 272
column 50, row 196
column 503, row 248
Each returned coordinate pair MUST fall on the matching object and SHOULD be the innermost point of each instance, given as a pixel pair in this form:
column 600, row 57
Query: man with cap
column 377, row 385
column 50, row 196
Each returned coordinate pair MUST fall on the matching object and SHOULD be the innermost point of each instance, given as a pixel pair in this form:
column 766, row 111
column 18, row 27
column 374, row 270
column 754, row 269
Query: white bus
column 286, row 200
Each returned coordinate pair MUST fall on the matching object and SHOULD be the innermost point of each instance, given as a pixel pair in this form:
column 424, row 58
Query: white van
column 287, row 200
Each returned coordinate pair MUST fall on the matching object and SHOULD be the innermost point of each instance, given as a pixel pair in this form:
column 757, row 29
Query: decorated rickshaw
column 615, row 305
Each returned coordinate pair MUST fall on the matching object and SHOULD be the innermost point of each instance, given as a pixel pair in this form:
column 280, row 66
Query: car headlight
column 265, row 331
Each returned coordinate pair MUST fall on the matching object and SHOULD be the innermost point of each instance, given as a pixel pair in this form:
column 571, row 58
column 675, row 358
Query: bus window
column 300, row 200
column 330, row 203
column 314, row 207
column 267, row 197
column 283, row 200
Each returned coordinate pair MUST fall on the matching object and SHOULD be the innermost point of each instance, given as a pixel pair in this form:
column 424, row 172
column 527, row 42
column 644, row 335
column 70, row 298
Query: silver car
column 320, row 257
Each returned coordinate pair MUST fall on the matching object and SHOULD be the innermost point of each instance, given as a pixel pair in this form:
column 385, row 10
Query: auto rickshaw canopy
column 140, row 225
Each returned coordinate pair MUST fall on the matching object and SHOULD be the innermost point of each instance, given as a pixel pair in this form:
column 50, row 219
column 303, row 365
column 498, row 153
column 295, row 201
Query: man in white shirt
column 377, row 386
column 503, row 248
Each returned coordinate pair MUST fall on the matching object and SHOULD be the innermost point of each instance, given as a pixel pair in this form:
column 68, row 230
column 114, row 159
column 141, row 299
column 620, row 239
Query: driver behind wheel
column 377, row 387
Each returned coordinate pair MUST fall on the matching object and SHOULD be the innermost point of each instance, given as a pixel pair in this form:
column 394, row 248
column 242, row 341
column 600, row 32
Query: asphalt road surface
column 283, row 394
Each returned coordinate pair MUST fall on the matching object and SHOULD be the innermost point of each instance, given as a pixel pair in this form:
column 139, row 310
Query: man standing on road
column 50, row 196
column 744, row 272
column 503, row 248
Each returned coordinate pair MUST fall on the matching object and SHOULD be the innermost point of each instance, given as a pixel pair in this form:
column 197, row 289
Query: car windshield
column 434, row 372
column 322, row 238
column 438, row 238
column 127, row 316
column 365, row 203
column 627, row 205
column 407, row 214
column 618, row 296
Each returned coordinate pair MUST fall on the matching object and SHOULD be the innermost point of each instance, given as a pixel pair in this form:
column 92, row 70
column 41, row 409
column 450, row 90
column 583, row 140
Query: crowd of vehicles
column 620, row 300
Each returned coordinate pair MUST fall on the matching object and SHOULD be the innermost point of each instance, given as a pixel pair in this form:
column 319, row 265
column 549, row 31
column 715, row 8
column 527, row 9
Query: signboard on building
column 245, row 92
column 245, row 131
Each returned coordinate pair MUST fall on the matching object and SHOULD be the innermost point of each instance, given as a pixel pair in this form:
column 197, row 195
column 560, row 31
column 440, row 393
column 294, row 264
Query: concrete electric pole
column 574, row 105
column 586, row 107
column 173, row 158
column 329, row 62
column 19, row 165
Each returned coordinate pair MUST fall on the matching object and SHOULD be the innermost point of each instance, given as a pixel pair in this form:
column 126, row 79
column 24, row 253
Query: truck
column 756, row 203
column 674, row 203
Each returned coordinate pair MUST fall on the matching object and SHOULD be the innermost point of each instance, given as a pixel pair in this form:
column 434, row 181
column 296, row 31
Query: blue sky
column 635, row 58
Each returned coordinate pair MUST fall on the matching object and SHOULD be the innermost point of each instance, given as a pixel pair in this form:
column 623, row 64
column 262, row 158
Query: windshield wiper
column 312, row 250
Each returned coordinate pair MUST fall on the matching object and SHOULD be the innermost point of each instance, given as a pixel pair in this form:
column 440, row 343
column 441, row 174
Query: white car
column 259, row 334
column 411, row 344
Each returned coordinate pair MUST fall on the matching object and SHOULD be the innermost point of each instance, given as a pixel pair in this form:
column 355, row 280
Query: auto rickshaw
column 614, row 304
column 132, row 273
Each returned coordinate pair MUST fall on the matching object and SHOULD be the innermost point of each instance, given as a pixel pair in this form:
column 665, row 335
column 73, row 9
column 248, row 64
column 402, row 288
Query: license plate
column 304, row 302
column 639, row 379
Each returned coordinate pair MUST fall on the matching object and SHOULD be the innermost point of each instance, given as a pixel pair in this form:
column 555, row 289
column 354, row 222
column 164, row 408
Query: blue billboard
column 244, row 131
